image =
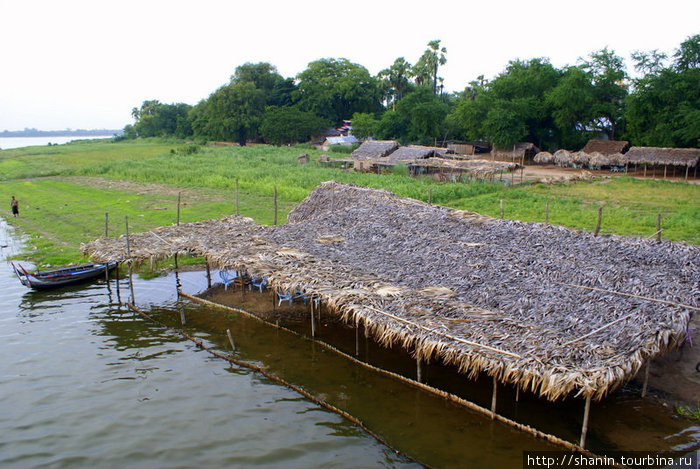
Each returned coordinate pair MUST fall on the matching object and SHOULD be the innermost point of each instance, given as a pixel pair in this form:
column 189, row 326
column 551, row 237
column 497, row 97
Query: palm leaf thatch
column 487, row 295
column 597, row 159
column 372, row 149
column 544, row 157
column 562, row 157
column 579, row 157
column 411, row 153
column 664, row 156
column 606, row 147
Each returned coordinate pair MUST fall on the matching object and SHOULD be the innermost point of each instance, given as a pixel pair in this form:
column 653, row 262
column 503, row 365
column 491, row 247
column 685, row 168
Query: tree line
column 531, row 100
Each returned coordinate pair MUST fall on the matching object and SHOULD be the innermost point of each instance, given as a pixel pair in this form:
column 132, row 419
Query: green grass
column 64, row 192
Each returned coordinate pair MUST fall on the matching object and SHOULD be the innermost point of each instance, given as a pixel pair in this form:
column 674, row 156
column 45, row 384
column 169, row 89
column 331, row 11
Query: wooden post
column 313, row 322
column 430, row 195
column 206, row 261
column 128, row 254
column 230, row 339
column 107, row 223
column 584, row 428
column 493, row 398
column 501, row 205
column 183, row 319
column 419, row 370
column 687, row 168
column 600, row 219
column 646, row 379
column 517, row 394
column 178, row 209
column 546, row 213
column 357, row 339
column 645, row 170
column 237, row 212
column 119, row 297
column 274, row 303
column 665, row 168
column 274, row 188
column 658, row 227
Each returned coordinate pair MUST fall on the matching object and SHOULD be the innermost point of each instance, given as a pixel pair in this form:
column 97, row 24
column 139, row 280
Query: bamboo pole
column 600, row 219
column 183, row 319
column 658, row 227
column 493, row 398
column 128, row 254
column 313, row 322
column 178, row 208
column 546, row 213
column 430, row 195
column 631, row 296
column 646, row 379
column 419, row 370
column 237, row 211
column 274, row 188
column 230, row 339
column 106, row 225
column 206, row 262
column 357, row 339
column 500, row 203
column 584, row 428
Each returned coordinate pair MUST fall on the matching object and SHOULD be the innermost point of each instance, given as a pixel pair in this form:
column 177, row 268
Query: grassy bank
column 65, row 191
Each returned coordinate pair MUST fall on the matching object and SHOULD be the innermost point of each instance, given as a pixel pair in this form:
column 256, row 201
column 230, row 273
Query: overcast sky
column 87, row 63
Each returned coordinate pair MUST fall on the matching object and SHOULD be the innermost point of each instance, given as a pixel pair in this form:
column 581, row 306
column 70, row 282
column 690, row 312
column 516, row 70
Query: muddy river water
column 86, row 382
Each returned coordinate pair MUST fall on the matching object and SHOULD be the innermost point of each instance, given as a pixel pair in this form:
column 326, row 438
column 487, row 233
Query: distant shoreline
column 59, row 133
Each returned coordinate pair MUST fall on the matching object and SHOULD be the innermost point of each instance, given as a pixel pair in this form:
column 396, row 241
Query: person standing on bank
column 14, row 204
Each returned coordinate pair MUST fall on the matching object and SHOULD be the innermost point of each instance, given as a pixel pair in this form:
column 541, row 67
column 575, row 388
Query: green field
column 65, row 192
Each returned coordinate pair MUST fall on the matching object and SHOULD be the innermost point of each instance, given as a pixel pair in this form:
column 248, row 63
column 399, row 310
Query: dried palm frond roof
column 486, row 295
column 472, row 166
column 413, row 152
column 374, row 149
column 606, row 147
column 657, row 155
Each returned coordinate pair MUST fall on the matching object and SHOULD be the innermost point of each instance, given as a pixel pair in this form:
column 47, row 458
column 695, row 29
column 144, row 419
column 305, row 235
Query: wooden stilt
column 128, row 254
column 645, row 170
column 493, row 398
column 230, row 339
column 687, row 168
column 646, row 379
column 517, row 394
column 419, row 370
column 119, row 297
column 584, row 428
column 208, row 274
column 274, row 303
column 665, row 168
column 357, row 339
column 313, row 321
column 183, row 319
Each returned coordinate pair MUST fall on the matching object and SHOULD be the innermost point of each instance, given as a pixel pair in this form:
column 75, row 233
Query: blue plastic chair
column 227, row 277
column 286, row 296
column 258, row 282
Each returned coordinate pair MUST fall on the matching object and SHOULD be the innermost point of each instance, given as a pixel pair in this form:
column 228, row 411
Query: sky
column 84, row 64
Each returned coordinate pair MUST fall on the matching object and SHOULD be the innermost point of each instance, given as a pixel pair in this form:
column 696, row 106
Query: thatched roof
column 562, row 156
column 486, row 295
column 606, row 147
column 671, row 156
column 544, row 157
column 372, row 149
column 479, row 168
column 413, row 152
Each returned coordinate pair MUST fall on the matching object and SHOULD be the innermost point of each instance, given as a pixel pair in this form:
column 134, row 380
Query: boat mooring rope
column 275, row 378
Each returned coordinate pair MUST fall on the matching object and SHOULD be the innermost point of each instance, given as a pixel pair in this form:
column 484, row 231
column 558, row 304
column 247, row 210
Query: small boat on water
column 61, row 277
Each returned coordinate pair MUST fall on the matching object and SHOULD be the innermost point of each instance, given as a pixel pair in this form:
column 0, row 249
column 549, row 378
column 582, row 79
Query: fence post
column 600, row 219
column 275, row 201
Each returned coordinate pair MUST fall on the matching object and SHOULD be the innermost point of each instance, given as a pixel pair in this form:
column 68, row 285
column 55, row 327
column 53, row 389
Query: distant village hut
column 518, row 153
column 339, row 140
column 562, row 157
column 686, row 159
column 543, row 157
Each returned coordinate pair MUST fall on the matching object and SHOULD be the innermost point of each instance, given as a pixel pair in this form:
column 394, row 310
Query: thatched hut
column 413, row 152
column 373, row 149
column 562, row 157
column 570, row 314
column 580, row 158
column 597, row 160
column 543, row 157
column 687, row 157
column 606, row 147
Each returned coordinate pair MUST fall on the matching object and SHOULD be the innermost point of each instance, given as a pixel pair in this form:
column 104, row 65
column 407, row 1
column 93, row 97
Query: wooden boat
column 61, row 277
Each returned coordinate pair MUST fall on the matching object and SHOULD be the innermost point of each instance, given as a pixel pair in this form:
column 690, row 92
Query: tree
column 607, row 74
column 336, row 88
column 425, row 114
column 648, row 63
column 664, row 110
column 397, row 80
column 282, row 93
column 688, row 54
column 263, row 75
column 289, row 124
column 571, row 107
column 427, row 66
column 364, row 125
column 232, row 113
column 155, row 119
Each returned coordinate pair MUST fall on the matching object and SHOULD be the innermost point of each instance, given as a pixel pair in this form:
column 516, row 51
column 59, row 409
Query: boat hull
column 62, row 277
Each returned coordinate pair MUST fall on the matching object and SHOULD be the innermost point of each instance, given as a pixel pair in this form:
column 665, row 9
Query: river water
column 7, row 143
column 85, row 382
